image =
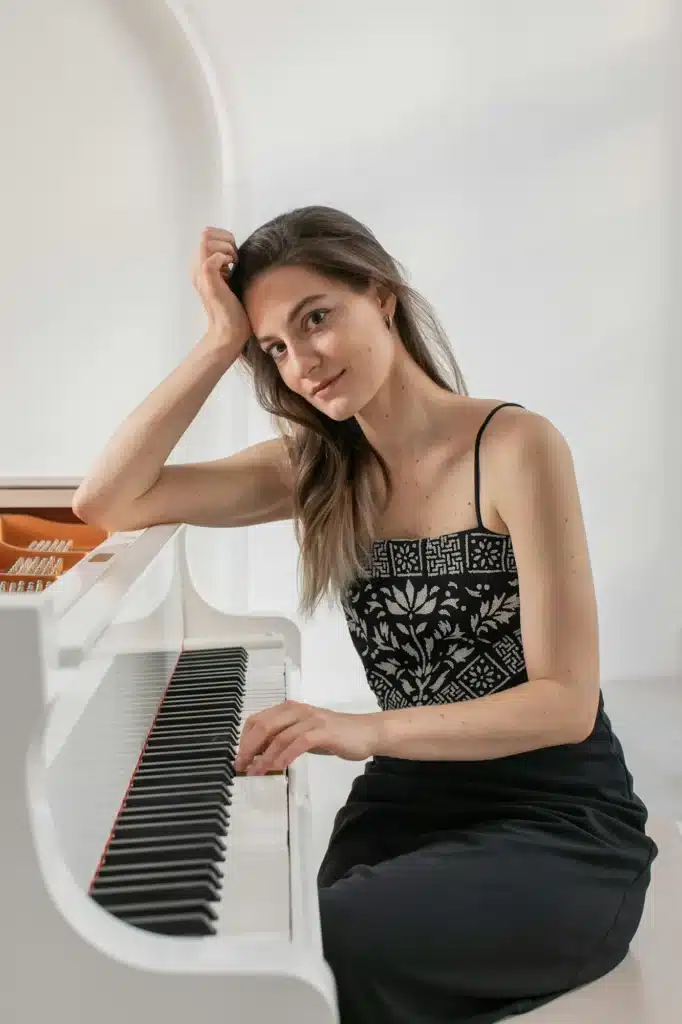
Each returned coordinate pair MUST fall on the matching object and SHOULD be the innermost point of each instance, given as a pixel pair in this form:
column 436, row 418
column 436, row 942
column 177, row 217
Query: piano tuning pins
column 21, row 586
column 37, row 566
column 47, row 565
column 50, row 545
column 30, row 562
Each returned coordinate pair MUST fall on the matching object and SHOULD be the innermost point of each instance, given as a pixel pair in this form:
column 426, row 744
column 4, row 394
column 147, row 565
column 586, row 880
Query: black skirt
column 447, row 898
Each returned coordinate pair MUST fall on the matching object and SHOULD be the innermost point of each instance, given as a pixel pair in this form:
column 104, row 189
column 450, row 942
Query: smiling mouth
column 332, row 382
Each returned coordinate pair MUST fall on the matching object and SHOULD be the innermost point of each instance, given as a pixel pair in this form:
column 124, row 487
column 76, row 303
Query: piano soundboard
column 142, row 877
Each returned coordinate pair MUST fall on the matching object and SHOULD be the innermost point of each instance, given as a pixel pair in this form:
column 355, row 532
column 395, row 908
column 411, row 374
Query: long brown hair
column 335, row 506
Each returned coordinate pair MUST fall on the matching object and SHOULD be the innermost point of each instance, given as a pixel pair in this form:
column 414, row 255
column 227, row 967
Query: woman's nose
column 306, row 364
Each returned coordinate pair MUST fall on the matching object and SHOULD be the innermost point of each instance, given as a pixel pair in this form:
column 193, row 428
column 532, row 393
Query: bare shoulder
column 515, row 432
column 508, row 418
column 525, row 449
column 512, row 425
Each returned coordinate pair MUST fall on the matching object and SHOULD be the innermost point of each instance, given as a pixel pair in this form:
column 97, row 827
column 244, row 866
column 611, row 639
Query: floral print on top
column 439, row 619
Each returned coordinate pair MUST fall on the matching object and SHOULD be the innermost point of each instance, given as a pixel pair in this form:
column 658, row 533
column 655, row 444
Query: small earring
column 388, row 322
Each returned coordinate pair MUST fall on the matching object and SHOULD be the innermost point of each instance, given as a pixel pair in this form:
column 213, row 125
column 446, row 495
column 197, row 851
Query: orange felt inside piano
column 19, row 532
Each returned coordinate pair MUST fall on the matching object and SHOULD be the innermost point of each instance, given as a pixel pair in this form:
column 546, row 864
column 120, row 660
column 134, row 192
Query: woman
column 492, row 854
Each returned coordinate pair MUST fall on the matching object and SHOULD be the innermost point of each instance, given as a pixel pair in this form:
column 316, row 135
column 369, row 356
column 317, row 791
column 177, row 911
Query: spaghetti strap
column 477, row 473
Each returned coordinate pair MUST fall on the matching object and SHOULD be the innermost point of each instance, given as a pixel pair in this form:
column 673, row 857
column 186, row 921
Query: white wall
column 520, row 159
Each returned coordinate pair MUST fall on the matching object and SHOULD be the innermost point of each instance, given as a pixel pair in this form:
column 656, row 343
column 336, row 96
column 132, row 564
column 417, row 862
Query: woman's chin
column 339, row 410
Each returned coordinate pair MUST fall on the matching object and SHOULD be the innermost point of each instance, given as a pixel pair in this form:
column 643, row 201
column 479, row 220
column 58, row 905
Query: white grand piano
column 142, row 879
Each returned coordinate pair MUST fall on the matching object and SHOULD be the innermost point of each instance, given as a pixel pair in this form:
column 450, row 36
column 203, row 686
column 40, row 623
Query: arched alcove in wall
column 117, row 154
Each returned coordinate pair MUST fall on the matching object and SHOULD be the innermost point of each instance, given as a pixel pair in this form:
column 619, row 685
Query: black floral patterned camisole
column 439, row 621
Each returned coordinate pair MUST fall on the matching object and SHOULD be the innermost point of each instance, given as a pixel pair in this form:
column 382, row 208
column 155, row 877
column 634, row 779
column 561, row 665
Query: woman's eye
column 314, row 313
column 270, row 350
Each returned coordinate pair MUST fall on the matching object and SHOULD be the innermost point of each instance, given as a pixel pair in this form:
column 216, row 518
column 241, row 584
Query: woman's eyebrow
column 293, row 313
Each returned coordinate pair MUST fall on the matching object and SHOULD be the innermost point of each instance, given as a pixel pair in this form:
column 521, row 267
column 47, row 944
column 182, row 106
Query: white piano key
column 255, row 896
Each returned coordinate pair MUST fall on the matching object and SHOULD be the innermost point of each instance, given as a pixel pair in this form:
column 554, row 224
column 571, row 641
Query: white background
column 521, row 159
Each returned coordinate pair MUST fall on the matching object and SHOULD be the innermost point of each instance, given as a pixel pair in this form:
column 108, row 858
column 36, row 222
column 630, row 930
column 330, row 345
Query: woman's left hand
column 280, row 733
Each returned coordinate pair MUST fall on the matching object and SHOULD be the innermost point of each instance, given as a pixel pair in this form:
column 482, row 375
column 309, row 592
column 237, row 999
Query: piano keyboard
column 197, row 850
column 141, row 870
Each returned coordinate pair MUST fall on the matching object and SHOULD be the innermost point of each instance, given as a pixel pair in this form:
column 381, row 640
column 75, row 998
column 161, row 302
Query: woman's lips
column 323, row 391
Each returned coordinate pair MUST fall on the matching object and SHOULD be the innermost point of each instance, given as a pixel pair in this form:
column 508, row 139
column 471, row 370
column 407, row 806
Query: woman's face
column 316, row 330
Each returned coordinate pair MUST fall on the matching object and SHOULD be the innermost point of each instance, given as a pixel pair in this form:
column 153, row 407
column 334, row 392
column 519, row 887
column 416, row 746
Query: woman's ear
column 387, row 300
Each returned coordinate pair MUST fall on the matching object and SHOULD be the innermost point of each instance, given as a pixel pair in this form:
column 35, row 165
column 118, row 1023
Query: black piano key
column 228, row 689
column 197, row 868
column 206, row 667
column 194, row 708
column 190, row 925
column 186, row 812
column 194, row 725
column 187, row 736
column 171, row 775
column 184, row 782
column 163, row 796
column 203, row 748
column 230, row 698
column 155, row 800
column 194, row 705
column 188, row 742
column 172, row 757
column 208, row 675
column 199, row 711
column 222, row 761
column 172, row 924
column 194, row 728
column 170, row 906
column 209, row 876
column 148, row 802
column 225, row 656
column 180, row 703
column 141, row 842
column 177, row 892
column 160, row 854
column 225, row 682
column 201, row 716
column 231, row 683
column 208, row 753
column 174, row 828
column 206, row 757
column 220, row 800
column 199, row 678
column 188, row 746
column 171, row 740
column 194, row 717
column 231, row 667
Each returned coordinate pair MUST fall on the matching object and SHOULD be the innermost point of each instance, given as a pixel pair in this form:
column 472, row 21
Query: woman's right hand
column 228, row 324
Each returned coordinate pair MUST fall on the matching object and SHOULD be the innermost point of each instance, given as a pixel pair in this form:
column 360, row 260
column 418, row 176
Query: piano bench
column 646, row 987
